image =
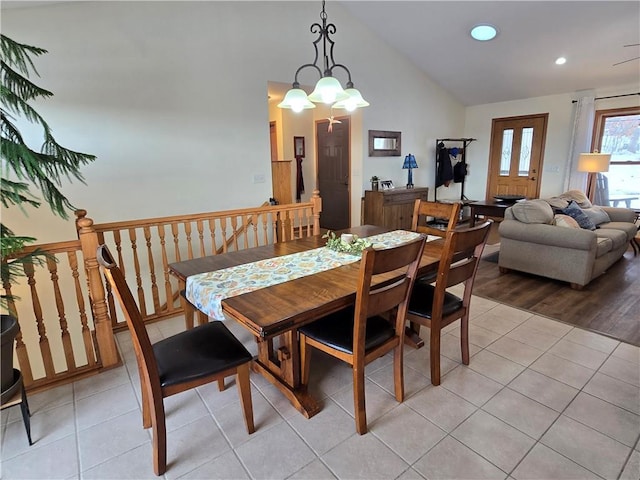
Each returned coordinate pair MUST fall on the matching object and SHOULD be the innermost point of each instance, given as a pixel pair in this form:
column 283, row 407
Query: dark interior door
column 333, row 173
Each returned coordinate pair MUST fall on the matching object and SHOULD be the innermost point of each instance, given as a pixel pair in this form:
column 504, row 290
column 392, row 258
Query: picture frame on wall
column 298, row 146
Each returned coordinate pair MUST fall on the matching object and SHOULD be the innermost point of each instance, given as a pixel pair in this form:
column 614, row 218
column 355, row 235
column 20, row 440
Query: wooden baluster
column 255, row 232
column 45, row 349
column 212, row 230
column 234, row 230
column 21, row 348
column 200, row 227
column 142, row 305
column 246, row 220
column 176, row 241
column 102, row 323
column 223, row 227
column 152, row 270
column 168, row 290
column 187, row 232
column 317, row 209
column 87, row 339
column 117, row 239
column 62, row 318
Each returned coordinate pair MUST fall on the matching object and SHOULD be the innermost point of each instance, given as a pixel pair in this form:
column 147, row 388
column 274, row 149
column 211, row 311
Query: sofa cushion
column 577, row 196
column 617, row 237
column 566, row 221
column 629, row 229
column 533, row 211
column 597, row 215
column 603, row 246
column 574, row 211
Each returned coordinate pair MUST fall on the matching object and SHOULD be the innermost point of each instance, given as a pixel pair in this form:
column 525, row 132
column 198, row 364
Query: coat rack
column 465, row 142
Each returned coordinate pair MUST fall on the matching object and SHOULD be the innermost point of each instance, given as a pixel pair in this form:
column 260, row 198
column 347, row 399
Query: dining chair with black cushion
column 434, row 218
column 431, row 218
column 201, row 355
column 433, row 306
column 374, row 326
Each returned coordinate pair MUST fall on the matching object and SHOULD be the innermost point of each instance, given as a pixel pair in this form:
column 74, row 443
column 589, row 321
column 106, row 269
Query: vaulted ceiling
column 519, row 62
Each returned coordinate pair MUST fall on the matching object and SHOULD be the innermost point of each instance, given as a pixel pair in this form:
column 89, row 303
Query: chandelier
column 328, row 89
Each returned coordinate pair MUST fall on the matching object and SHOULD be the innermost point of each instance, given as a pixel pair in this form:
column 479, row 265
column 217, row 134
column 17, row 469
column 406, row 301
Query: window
column 617, row 132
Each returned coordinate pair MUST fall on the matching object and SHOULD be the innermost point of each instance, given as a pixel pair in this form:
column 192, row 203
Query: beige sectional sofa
column 537, row 237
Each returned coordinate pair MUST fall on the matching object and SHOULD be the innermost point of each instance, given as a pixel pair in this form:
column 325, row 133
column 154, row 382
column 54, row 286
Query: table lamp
column 593, row 163
column 409, row 163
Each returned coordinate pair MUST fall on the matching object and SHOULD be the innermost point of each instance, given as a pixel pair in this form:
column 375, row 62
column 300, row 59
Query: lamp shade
column 409, row 162
column 354, row 101
column 594, row 162
column 296, row 99
column 328, row 90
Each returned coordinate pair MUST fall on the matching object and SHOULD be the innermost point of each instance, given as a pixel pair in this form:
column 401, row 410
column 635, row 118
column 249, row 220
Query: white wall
column 559, row 130
column 171, row 97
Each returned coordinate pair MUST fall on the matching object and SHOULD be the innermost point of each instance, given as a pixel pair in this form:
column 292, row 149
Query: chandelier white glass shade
column 328, row 89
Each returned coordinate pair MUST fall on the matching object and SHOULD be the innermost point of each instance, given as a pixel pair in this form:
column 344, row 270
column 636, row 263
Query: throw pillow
column 597, row 215
column 533, row 211
column 579, row 197
column 565, row 221
column 557, row 202
column 575, row 212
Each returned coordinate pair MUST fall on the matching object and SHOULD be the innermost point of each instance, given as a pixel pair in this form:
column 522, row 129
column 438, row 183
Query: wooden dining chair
column 360, row 334
column 433, row 306
column 434, row 218
column 181, row 362
column 431, row 218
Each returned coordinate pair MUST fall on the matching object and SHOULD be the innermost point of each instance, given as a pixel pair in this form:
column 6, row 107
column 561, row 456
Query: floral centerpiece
column 346, row 243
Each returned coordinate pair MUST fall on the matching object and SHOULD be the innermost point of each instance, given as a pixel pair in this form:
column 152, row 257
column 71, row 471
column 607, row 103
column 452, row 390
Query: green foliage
column 355, row 247
column 42, row 169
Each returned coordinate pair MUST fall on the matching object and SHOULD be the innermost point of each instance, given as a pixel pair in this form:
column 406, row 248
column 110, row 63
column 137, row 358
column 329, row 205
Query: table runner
column 207, row 290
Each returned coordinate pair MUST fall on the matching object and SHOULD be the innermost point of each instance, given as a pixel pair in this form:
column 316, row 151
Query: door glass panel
column 505, row 157
column 525, row 152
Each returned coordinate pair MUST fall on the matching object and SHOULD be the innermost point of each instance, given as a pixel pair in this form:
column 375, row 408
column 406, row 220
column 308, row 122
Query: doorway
column 333, row 172
column 516, row 155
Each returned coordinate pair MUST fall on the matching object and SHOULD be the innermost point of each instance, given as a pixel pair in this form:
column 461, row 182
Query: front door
column 516, row 154
column 333, row 173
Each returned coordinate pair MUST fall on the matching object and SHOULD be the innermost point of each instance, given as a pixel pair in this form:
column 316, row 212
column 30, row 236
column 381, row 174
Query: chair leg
column 159, row 429
column 434, row 345
column 464, row 338
column 146, row 400
column 221, row 386
column 398, row 372
column 359, row 406
column 26, row 414
column 244, row 390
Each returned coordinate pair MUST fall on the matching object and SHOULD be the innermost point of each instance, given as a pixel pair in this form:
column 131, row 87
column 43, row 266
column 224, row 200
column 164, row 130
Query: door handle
column 533, row 179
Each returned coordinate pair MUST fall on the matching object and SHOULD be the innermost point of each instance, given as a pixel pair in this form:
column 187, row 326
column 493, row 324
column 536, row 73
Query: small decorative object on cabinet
column 392, row 208
column 409, row 164
column 374, row 183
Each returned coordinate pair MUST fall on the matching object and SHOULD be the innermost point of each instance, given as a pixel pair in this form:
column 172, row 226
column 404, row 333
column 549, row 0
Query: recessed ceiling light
column 484, row 32
column 561, row 61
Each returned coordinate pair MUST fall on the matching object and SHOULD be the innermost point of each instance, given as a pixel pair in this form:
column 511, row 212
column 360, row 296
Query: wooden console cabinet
column 392, row 208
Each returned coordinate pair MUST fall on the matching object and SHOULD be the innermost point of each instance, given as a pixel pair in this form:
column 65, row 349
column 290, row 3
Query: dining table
column 274, row 313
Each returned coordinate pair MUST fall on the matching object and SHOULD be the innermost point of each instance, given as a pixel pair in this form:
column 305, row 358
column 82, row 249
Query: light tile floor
column 540, row 400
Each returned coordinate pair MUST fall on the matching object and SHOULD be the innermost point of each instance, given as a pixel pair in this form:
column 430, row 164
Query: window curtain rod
column 612, row 96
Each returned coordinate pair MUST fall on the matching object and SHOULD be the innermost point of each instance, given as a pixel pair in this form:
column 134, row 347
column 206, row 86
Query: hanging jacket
column 445, row 169
column 459, row 171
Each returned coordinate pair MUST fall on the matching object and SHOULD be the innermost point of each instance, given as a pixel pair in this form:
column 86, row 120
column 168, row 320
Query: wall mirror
column 383, row 143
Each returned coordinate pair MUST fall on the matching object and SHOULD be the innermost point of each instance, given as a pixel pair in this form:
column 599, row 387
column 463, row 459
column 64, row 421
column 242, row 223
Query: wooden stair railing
column 66, row 312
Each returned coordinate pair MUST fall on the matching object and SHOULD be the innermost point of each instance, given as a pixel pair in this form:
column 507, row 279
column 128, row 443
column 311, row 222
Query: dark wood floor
column 609, row 304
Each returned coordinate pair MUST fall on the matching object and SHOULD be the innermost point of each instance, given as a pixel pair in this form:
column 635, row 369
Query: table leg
column 281, row 367
column 472, row 220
